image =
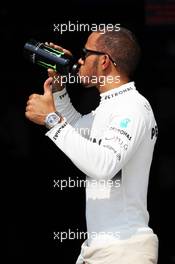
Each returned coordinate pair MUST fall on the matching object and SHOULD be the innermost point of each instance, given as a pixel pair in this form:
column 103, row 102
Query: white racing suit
column 113, row 146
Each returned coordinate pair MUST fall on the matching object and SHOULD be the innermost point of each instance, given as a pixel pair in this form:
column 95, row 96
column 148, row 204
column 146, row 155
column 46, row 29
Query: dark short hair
column 123, row 47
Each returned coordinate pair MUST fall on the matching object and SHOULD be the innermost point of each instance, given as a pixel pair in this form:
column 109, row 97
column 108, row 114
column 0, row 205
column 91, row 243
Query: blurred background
column 35, row 208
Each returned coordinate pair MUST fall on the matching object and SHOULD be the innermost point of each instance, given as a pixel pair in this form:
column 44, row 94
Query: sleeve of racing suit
column 120, row 140
column 64, row 106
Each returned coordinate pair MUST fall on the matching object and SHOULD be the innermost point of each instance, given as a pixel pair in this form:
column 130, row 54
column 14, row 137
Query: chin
column 88, row 85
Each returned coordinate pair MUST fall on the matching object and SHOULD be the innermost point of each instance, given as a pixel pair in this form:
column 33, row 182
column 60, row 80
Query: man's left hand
column 39, row 106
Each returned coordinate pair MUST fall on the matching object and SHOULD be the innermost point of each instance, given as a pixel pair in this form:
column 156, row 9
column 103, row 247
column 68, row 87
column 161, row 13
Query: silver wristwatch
column 52, row 119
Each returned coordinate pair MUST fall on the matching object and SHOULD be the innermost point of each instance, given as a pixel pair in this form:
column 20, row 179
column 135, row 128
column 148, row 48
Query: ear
column 105, row 61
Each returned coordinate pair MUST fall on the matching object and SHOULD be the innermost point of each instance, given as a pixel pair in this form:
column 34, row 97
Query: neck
column 111, row 85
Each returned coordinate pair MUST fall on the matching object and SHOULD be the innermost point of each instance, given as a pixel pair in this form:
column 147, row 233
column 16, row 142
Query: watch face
column 52, row 119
